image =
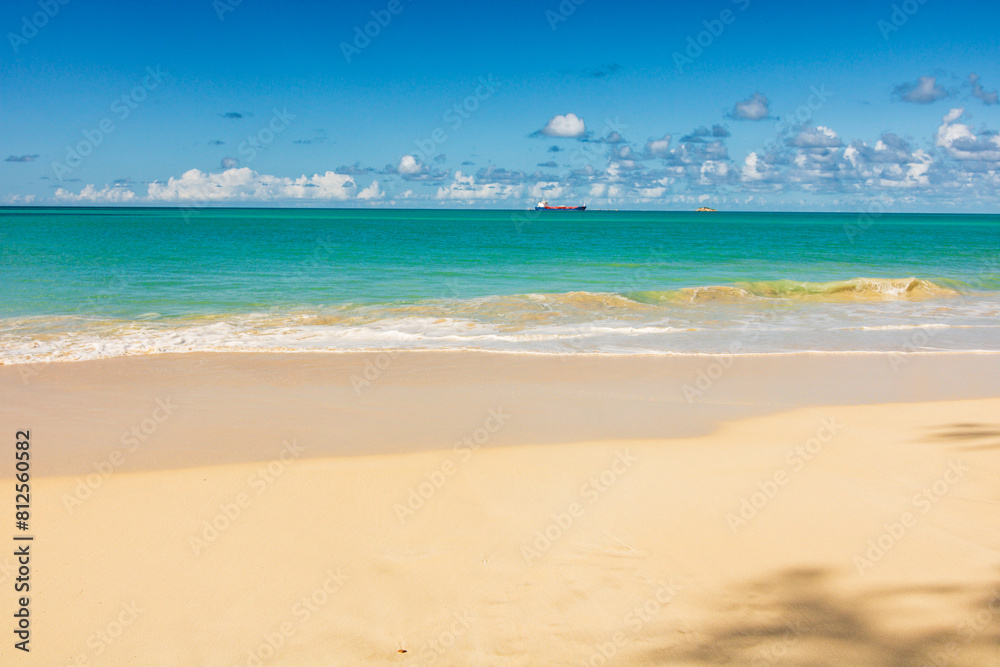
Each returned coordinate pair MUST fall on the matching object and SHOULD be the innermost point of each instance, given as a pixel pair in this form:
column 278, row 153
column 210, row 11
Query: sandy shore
column 509, row 510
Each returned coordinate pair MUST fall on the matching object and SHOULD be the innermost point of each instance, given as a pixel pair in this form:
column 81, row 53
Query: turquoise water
column 89, row 282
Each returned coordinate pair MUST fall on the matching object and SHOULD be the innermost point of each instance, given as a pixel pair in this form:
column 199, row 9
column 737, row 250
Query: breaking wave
column 862, row 314
column 857, row 289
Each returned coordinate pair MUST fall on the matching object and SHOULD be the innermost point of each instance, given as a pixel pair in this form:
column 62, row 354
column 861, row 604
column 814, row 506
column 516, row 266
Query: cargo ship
column 544, row 206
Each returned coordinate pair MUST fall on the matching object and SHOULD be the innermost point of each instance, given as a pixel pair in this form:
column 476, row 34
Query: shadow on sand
column 798, row 618
column 979, row 437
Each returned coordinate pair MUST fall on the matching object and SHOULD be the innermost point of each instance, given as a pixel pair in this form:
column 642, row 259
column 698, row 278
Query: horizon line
column 199, row 208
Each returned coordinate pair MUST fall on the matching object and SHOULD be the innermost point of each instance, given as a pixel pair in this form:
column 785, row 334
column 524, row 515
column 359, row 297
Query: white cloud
column 757, row 170
column 658, row 148
column 700, row 163
column 466, row 188
column 549, row 190
column 987, row 97
column 494, row 174
column 816, row 137
column 961, row 143
column 410, row 166
column 569, row 125
column 244, row 184
column 330, row 185
column 891, row 163
column 19, row 199
column 811, row 159
column 924, row 90
column 613, row 174
column 623, row 158
column 953, row 115
column 713, row 171
column 623, row 153
column 196, row 185
column 755, row 107
column 814, row 160
column 372, row 192
column 108, row 194
column 961, row 162
column 651, row 193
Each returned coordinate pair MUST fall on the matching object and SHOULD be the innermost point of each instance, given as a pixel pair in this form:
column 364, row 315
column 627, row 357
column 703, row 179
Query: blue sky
column 736, row 104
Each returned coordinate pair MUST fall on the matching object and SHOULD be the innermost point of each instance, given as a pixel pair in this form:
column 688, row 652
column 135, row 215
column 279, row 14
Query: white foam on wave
column 832, row 327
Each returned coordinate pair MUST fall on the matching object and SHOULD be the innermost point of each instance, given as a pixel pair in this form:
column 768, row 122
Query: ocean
column 85, row 283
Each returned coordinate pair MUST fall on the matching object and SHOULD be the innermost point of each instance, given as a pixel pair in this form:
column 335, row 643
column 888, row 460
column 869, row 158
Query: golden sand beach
column 457, row 508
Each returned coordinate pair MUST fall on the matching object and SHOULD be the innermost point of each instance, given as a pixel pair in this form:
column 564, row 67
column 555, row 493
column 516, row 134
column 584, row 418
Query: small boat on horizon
column 544, row 206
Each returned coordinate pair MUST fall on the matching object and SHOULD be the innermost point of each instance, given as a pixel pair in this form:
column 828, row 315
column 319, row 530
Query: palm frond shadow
column 796, row 618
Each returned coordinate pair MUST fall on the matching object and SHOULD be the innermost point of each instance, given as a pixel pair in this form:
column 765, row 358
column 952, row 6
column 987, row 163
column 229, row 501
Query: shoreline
column 376, row 403
column 394, row 352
